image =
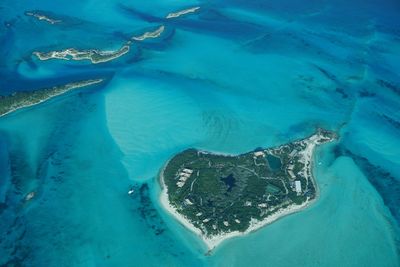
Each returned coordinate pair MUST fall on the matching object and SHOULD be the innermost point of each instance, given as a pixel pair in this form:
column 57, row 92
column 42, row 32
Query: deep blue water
column 232, row 77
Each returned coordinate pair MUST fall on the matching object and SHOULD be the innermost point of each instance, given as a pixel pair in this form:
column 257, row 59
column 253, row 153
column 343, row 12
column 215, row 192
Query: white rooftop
column 189, row 171
column 259, row 153
column 297, row 185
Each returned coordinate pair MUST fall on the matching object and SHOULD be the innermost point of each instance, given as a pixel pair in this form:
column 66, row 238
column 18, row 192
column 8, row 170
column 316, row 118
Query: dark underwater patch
column 383, row 181
column 147, row 211
column 286, row 42
column 365, row 93
column 391, row 121
column 326, row 73
column 341, row 91
column 10, row 23
column 20, row 171
column 391, row 86
column 13, row 246
column 130, row 11
column 219, row 25
column 3, row 207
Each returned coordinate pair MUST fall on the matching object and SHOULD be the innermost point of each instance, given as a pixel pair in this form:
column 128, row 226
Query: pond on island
column 229, row 181
column 274, row 163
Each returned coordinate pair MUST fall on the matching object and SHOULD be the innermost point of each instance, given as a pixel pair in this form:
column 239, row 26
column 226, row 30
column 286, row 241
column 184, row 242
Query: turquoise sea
column 233, row 76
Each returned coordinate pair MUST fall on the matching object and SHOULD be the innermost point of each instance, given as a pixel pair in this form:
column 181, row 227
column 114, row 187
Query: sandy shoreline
column 213, row 241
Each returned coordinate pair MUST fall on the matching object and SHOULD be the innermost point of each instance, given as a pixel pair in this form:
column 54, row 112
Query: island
column 23, row 99
column 153, row 34
column 94, row 55
column 219, row 196
column 182, row 12
column 43, row 17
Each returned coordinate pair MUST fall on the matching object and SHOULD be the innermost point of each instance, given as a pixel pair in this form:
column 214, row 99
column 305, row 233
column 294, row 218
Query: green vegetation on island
column 23, row 99
column 219, row 194
column 182, row 12
column 151, row 34
column 42, row 17
column 94, row 55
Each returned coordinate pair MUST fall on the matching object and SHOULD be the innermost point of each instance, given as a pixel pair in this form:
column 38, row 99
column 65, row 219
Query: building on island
column 259, row 154
column 293, row 153
column 188, row 171
column 290, row 171
column 297, row 185
column 183, row 176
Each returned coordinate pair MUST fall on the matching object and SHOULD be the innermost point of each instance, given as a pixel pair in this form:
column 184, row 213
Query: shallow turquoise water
column 231, row 78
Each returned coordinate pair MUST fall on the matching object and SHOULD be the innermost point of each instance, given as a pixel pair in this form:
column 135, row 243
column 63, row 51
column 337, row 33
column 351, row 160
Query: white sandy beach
column 214, row 241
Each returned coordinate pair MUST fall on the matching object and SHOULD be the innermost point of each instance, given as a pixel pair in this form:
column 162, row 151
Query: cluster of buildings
column 259, row 154
column 290, row 171
column 297, row 183
column 291, row 164
column 297, row 187
column 183, row 176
